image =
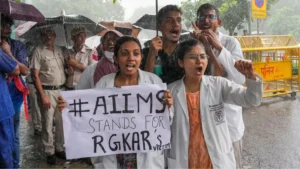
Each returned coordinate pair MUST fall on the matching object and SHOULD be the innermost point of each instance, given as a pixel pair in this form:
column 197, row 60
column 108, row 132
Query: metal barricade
column 276, row 59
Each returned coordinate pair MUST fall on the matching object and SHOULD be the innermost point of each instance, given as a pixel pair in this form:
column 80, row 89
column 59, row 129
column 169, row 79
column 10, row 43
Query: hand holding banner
column 99, row 122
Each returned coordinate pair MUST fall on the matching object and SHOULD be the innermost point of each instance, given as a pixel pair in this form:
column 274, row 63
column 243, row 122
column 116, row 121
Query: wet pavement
column 31, row 154
column 271, row 140
column 272, row 135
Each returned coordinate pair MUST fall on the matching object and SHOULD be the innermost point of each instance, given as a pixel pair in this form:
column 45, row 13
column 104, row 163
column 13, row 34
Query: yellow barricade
column 271, row 71
column 276, row 59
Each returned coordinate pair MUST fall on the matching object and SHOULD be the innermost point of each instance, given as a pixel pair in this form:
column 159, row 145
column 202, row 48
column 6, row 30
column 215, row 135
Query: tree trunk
column 231, row 31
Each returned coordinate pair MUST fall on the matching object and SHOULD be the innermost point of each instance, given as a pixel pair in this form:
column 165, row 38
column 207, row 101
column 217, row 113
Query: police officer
column 79, row 57
column 49, row 78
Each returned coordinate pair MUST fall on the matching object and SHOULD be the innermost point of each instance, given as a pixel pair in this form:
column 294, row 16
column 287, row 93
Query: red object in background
column 95, row 57
column 24, row 90
column 95, row 54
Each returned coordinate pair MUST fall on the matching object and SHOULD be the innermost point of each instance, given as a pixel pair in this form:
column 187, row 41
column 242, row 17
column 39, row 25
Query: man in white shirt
column 79, row 57
column 227, row 50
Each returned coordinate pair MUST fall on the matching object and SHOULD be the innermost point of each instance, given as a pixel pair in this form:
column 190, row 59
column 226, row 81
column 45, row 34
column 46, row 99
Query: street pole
column 156, row 11
column 249, row 17
column 257, row 21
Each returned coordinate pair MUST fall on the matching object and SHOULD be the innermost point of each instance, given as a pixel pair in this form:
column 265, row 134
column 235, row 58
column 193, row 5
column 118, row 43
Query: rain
column 271, row 133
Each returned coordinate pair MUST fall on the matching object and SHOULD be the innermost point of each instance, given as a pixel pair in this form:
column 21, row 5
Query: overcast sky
column 131, row 5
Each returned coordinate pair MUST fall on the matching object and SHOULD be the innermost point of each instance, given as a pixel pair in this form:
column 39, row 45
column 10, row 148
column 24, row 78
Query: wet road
column 31, row 154
column 272, row 138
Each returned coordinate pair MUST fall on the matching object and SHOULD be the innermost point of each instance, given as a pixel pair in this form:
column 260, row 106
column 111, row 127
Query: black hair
column 186, row 46
column 210, row 7
column 5, row 19
column 123, row 40
column 165, row 10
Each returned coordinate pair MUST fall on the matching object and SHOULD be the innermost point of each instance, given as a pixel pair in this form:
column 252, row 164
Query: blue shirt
column 18, row 50
column 7, row 65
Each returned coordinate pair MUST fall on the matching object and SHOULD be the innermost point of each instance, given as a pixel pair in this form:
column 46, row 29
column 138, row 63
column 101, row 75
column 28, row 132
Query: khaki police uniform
column 84, row 57
column 52, row 76
column 34, row 107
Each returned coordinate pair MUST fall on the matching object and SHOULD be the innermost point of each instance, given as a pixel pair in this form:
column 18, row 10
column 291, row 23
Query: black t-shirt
column 170, row 68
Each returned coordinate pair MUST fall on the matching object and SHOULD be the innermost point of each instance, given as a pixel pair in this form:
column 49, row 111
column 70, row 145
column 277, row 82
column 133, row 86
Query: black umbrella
column 149, row 22
column 21, row 11
column 62, row 26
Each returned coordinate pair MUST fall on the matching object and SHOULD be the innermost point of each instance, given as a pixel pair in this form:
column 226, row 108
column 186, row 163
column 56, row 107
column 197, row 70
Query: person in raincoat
column 200, row 136
column 128, row 56
column 16, row 51
column 11, row 67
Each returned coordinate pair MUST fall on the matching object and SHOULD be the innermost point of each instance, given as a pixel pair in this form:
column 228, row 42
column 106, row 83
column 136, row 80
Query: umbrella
column 93, row 42
column 126, row 28
column 21, row 11
column 21, row 29
column 149, row 22
column 62, row 25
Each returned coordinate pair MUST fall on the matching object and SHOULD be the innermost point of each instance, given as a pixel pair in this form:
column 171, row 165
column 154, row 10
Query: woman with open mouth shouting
column 128, row 56
column 200, row 136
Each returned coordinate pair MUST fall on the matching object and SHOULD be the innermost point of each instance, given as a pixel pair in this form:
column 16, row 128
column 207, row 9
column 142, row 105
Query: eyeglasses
column 210, row 17
column 196, row 57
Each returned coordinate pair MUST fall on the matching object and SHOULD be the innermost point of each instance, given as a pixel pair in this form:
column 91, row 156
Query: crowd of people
column 205, row 76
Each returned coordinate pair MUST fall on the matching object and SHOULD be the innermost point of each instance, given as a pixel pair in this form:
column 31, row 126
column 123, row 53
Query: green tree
column 285, row 19
column 233, row 12
column 96, row 10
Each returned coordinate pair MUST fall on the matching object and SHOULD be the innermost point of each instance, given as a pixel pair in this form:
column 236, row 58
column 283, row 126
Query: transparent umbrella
column 62, row 25
column 93, row 42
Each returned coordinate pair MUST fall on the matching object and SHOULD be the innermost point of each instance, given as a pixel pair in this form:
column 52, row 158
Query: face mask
column 109, row 56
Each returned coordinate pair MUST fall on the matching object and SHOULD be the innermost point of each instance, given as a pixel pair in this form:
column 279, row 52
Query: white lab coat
column 214, row 92
column 152, row 160
column 230, row 53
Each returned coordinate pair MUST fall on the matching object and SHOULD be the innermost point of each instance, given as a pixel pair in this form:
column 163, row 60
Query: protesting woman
column 128, row 56
column 200, row 136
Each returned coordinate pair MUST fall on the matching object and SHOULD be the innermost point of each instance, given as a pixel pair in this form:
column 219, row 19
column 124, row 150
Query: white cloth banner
column 99, row 122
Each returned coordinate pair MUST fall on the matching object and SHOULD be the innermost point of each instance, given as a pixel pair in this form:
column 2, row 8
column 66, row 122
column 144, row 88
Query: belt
column 52, row 87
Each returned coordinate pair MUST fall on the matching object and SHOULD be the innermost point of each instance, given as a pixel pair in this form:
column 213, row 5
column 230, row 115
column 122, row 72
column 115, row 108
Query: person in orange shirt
column 200, row 136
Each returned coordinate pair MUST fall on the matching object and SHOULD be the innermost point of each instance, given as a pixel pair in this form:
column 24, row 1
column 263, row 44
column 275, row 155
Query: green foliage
column 286, row 19
column 96, row 10
column 233, row 12
column 189, row 9
column 235, row 15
